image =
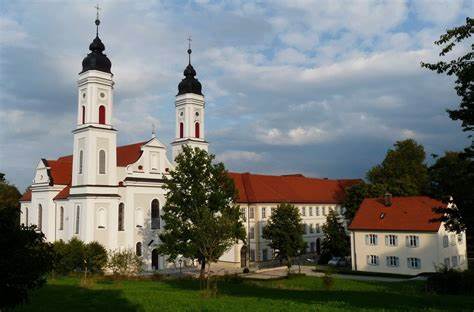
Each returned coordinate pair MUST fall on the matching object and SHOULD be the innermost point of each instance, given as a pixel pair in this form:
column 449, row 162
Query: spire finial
column 189, row 49
column 153, row 130
column 97, row 20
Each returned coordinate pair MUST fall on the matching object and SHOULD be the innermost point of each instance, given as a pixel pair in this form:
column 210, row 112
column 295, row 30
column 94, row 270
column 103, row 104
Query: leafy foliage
column 403, row 172
column 336, row 241
column 125, row 262
column 25, row 261
column 285, row 231
column 449, row 281
column 201, row 219
column 9, row 197
column 354, row 195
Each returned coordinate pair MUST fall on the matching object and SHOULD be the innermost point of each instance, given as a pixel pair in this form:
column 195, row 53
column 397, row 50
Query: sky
column 322, row 88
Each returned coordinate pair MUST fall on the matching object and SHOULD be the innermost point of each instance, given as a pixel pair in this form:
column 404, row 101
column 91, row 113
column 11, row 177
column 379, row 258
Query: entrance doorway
column 243, row 257
column 318, row 246
column 155, row 259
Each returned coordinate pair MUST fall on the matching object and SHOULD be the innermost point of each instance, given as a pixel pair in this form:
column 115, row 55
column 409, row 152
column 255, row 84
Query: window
column 317, row 211
column 252, row 254
column 121, row 216
column 303, row 211
column 310, row 211
column 265, row 254
column 181, row 130
column 312, row 246
column 324, row 211
column 391, row 240
column 83, row 114
column 101, row 219
column 460, row 238
column 81, row 161
column 26, row 216
column 40, row 217
column 138, row 249
column 101, row 162
column 393, row 261
column 138, row 218
column 242, row 214
column 305, row 228
column 414, row 263
column 454, row 260
column 445, row 241
column 251, row 212
column 155, row 214
column 311, row 228
column 78, row 215
column 102, row 115
column 196, row 130
column 372, row 260
column 264, row 213
column 252, row 232
column 413, row 241
column 447, row 263
column 318, row 228
column 61, row 218
column 371, row 239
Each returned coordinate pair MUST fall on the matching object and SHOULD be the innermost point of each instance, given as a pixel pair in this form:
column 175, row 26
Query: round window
column 181, row 114
column 83, row 95
column 102, row 95
column 197, row 113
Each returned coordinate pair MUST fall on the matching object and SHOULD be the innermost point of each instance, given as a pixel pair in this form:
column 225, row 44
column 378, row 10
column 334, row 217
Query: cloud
column 229, row 156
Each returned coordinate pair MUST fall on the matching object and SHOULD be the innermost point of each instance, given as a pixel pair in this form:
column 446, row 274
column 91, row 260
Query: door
column 318, row 246
column 243, row 257
column 155, row 259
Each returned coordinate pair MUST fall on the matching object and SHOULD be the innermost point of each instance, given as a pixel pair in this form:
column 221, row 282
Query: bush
column 246, row 270
column 124, row 262
column 96, row 257
column 75, row 256
column 449, row 281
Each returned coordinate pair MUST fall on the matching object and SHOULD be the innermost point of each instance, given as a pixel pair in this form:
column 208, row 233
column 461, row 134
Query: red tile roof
column 26, row 196
column 64, row 194
column 60, row 171
column 413, row 213
column 296, row 188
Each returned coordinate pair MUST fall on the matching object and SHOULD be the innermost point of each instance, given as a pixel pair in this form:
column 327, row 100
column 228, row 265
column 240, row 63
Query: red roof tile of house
column 413, row 213
column 26, row 196
column 296, row 188
column 64, row 194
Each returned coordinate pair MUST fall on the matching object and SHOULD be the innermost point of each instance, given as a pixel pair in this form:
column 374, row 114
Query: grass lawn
column 298, row 293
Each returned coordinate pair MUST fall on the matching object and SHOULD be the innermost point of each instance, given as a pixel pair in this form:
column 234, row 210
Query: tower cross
column 97, row 8
column 189, row 49
column 97, row 21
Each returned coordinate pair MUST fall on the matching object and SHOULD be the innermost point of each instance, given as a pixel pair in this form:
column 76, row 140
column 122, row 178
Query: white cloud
column 295, row 136
column 439, row 11
column 233, row 156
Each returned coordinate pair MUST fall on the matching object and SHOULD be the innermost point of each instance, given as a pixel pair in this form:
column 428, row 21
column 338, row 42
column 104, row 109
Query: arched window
column 26, row 216
column 196, row 130
column 78, row 215
column 181, row 130
column 61, row 218
column 81, row 161
column 101, row 218
column 40, row 217
column 155, row 214
column 138, row 249
column 83, row 114
column 101, row 162
column 102, row 115
column 121, row 212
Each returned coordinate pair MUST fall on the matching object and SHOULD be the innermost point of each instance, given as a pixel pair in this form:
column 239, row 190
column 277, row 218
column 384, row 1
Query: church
column 114, row 194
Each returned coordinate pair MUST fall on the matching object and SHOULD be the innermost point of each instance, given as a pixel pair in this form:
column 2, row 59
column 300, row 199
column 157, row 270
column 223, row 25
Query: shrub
column 96, row 257
column 246, row 270
column 75, row 256
column 449, row 281
column 124, row 262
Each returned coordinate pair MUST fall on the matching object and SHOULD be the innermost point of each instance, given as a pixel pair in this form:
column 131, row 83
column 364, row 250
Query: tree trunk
column 289, row 264
column 203, row 269
column 208, row 281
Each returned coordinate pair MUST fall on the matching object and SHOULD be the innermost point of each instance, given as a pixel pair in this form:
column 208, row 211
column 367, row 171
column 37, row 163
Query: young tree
column 200, row 215
column 354, row 195
column 336, row 241
column 285, row 231
column 403, row 172
column 463, row 68
column 9, row 197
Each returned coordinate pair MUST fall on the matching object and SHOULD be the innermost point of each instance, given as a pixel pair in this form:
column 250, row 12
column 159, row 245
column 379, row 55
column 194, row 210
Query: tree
column 125, row 262
column 285, row 231
column 335, row 242
column 453, row 175
column 25, row 261
column 463, row 68
column 355, row 194
column 200, row 215
column 403, row 172
column 9, row 197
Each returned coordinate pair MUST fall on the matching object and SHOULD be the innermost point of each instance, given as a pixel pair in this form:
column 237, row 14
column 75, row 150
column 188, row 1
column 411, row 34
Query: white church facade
column 114, row 194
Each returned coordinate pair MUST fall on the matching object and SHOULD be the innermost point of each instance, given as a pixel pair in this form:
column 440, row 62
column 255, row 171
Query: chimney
column 388, row 199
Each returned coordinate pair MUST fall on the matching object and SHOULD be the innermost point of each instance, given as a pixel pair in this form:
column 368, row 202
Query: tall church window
column 83, row 114
column 26, row 216
column 61, row 218
column 78, row 215
column 138, row 249
column 181, row 130
column 81, row 161
column 101, row 162
column 121, row 212
column 196, row 130
column 155, row 214
column 102, row 115
column 40, row 217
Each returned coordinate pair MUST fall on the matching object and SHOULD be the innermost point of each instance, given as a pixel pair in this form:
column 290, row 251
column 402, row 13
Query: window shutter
column 368, row 259
column 366, row 239
column 386, row 240
column 407, row 240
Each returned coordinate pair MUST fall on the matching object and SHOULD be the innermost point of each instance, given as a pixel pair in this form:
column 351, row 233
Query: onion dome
column 189, row 84
column 96, row 59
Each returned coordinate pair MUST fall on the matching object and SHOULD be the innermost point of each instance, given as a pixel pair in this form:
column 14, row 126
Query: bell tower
column 95, row 143
column 189, row 106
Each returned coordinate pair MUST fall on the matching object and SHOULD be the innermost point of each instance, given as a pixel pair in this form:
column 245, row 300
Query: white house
column 401, row 235
column 113, row 194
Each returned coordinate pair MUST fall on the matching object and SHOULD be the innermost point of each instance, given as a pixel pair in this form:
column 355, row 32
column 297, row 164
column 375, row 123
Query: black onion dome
column 96, row 60
column 189, row 84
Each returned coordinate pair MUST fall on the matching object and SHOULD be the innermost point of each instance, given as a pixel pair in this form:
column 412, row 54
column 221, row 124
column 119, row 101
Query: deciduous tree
column 336, row 241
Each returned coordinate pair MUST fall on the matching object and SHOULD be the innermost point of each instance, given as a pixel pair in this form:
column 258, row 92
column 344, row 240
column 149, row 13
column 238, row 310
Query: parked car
column 337, row 262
